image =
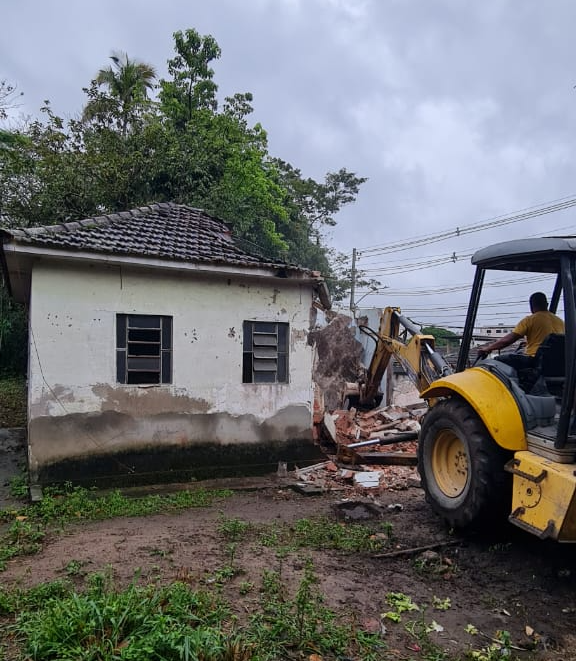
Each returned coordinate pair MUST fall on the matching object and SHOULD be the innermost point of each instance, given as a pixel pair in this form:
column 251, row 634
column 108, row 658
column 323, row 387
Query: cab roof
column 541, row 255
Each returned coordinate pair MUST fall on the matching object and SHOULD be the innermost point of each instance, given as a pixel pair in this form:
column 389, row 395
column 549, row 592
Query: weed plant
column 139, row 623
column 286, row 625
column 19, row 486
column 22, row 538
column 174, row 622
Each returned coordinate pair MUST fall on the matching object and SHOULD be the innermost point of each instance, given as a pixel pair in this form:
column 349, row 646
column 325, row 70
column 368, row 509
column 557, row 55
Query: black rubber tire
column 484, row 495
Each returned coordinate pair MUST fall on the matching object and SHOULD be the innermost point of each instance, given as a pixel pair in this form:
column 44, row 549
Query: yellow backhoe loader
column 493, row 438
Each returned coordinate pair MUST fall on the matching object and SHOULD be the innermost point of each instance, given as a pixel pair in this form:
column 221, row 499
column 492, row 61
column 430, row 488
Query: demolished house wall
column 84, row 426
column 338, row 358
column 343, row 353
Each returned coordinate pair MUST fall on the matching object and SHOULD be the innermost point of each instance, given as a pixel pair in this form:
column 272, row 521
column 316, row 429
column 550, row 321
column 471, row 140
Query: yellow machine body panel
column 543, row 499
column 491, row 400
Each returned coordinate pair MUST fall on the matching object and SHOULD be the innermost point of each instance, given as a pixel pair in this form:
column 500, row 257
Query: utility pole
column 353, row 281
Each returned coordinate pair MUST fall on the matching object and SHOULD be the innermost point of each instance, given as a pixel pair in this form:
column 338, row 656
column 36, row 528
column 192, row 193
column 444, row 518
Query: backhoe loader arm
column 399, row 338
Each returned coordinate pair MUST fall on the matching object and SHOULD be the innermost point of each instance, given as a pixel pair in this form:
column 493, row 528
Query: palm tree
column 128, row 82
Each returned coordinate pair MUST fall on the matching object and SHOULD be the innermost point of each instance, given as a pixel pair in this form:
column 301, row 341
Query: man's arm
column 505, row 341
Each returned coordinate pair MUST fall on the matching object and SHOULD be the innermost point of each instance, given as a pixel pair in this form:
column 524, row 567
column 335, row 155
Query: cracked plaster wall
column 76, row 408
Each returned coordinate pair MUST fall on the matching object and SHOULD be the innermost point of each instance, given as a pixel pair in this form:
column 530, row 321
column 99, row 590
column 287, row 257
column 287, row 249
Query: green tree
column 186, row 149
column 191, row 88
column 13, row 329
column 127, row 83
column 318, row 202
column 443, row 336
column 312, row 208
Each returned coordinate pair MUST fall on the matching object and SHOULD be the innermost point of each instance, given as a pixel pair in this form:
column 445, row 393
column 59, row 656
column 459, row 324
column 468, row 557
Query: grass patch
column 59, row 507
column 175, row 622
column 304, row 623
column 12, row 401
column 77, row 503
column 322, row 534
column 56, row 621
column 139, row 622
column 19, row 487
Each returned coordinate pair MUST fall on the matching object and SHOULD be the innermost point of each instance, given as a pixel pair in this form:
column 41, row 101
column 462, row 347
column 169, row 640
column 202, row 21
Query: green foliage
column 127, row 82
column 19, row 486
column 500, row 649
column 128, row 150
column 441, row 604
column 321, row 533
column 76, row 503
column 233, row 530
column 12, row 401
column 191, row 88
column 75, row 568
column 443, row 337
column 303, row 623
column 23, row 537
column 13, row 338
column 15, row 600
column 420, row 630
column 140, row 623
column 400, row 603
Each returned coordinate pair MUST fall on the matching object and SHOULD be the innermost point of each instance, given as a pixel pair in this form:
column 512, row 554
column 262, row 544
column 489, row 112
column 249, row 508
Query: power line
column 518, row 216
column 415, row 266
column 451, row 289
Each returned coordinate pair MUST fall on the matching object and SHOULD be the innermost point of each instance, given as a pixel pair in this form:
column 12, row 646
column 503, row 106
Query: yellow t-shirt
column 536, row 327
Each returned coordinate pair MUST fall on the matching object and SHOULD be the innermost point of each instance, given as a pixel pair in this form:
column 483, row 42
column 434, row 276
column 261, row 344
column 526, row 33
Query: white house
column 160, row 350
column 484, row 334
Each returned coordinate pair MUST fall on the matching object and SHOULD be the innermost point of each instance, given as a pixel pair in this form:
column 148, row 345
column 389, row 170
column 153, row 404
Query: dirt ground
column 503, row 581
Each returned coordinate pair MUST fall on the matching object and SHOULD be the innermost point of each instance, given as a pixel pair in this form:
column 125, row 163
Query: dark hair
column 538, row 302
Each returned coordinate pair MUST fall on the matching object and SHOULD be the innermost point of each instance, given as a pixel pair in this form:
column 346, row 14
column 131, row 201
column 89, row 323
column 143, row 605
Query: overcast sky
column 457, row 112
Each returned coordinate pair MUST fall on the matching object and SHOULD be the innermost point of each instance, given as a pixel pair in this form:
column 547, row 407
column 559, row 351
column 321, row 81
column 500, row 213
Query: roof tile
column 165, row 230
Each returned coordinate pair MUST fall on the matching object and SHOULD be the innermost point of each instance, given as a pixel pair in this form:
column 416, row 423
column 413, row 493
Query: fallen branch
column 416, row 549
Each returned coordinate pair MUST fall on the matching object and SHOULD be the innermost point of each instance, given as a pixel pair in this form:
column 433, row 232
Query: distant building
column 488, row 333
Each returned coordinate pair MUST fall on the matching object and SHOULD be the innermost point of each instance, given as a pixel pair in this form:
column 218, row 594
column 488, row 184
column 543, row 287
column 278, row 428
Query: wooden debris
column 416, row 549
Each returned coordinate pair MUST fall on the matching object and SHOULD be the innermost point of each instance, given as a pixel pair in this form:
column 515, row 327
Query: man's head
column 538, row 302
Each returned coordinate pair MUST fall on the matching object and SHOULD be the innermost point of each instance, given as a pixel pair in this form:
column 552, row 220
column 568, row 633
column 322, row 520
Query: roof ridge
column 104, row 219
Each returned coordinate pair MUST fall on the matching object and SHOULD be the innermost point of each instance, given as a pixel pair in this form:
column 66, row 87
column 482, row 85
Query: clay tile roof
column 166, row 230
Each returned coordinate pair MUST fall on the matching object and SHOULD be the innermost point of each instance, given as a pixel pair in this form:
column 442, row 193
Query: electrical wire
column 390, row 291
column 414, row 266
column 498, row 221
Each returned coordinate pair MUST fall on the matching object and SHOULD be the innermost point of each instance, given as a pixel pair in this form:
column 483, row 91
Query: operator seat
column 549, row 363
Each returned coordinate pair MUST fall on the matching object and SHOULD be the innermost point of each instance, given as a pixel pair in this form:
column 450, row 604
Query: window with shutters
column 143, row 349
column 265, row 357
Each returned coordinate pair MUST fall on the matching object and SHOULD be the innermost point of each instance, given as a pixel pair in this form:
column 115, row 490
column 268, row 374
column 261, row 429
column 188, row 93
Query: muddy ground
column 506, row 580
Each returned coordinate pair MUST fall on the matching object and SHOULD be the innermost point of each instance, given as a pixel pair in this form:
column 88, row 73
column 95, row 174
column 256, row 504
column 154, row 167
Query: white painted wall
column 73, row 341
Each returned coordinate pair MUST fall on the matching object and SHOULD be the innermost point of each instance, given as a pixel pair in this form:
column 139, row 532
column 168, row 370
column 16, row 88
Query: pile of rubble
column 382, row 424
column 373, row 450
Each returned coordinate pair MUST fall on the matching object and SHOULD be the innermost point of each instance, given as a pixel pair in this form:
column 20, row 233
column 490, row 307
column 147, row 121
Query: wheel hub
column 450, row 463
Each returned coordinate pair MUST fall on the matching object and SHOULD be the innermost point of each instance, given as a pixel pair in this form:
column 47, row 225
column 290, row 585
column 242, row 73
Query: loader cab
column 546, row 404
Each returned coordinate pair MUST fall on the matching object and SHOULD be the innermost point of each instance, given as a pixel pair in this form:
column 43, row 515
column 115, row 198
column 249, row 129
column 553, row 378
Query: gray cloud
column 455, row 111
